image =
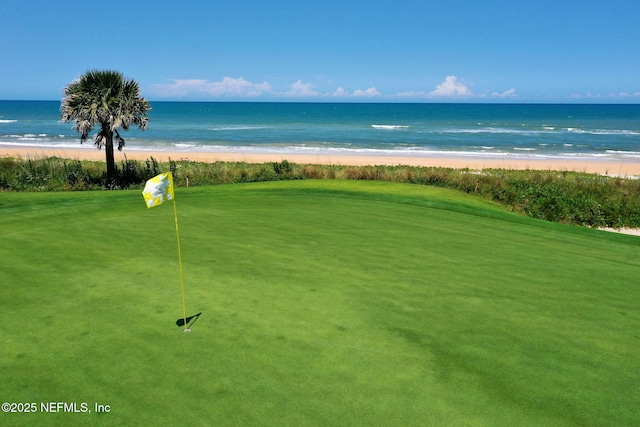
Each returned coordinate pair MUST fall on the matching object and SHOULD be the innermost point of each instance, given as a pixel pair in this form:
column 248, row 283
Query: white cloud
column 451, row 87
column 589, row 95
column 359, row 93
column 238, row 88
column 627, row 95
column 340, row 92
column 369, row 93
column 511, row 93
column 621, row 96
column 412, row 94
column 228, row 87
column 300, row 90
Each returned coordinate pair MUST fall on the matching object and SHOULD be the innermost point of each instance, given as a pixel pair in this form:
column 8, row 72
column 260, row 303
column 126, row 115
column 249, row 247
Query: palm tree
column 109, row 99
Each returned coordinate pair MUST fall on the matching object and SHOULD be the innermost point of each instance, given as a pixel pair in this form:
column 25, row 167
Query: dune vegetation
column 561, row 196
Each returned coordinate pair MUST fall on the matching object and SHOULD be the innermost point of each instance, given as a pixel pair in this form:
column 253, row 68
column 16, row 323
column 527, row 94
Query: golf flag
column 158, row 189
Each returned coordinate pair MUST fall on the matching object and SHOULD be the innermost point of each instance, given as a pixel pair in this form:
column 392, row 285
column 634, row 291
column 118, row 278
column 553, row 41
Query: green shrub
column 560, row 196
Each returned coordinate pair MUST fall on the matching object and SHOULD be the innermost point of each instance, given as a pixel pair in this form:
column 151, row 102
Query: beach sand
column 88, row 152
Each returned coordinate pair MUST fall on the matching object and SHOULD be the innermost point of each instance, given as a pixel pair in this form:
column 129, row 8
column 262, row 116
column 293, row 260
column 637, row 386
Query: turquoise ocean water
column 492, row 130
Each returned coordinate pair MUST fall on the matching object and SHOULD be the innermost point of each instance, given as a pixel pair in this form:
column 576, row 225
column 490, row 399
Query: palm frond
column 106, row 98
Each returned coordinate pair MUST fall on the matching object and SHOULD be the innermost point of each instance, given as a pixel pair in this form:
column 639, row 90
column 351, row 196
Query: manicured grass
column 324, row 303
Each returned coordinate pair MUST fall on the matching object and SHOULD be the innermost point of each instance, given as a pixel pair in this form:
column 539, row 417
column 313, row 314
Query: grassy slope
column 325, row 303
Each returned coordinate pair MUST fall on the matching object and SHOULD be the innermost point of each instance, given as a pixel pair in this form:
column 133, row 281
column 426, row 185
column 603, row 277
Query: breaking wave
column 389, row 127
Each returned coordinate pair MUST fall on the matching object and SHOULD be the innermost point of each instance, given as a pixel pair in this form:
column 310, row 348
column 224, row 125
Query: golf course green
column 328, row 303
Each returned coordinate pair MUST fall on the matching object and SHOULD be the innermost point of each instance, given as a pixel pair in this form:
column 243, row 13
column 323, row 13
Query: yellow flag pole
column 184, row 307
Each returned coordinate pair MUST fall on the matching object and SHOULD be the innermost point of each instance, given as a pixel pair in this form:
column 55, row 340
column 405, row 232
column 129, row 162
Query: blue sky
column 329, row 50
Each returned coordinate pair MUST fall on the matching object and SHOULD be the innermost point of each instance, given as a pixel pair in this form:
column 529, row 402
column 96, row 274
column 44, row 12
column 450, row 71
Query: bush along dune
column 561, row 196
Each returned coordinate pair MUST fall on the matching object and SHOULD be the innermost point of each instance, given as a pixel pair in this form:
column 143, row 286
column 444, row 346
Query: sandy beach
column 623, row 168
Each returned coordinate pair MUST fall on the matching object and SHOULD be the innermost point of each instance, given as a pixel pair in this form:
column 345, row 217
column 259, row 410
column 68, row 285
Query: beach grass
column 331, row 302
column 579, row 198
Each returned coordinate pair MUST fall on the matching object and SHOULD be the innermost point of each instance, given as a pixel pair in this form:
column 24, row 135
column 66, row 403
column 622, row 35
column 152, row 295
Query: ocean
column 492, row 130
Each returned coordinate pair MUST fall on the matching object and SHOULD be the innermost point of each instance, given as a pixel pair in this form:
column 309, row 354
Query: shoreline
column 611, row 167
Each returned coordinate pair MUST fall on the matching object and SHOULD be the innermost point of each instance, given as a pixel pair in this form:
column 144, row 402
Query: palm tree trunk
column 111, row 164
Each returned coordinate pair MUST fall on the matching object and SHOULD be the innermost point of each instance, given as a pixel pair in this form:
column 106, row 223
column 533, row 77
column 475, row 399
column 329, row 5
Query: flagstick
column 184, row 307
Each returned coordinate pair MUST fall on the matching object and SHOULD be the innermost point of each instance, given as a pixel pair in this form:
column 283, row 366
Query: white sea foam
column 634, row 154
column 7, row 121
column 389, row 127
column 333, row 150
column 320, row 150
column 544, row 131
column 614, row 132
column 603, row 131
column 492, row 130
column 622, row 152
column 38, row 143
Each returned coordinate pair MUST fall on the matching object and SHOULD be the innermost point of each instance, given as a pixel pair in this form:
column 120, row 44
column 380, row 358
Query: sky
column 564, row 51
